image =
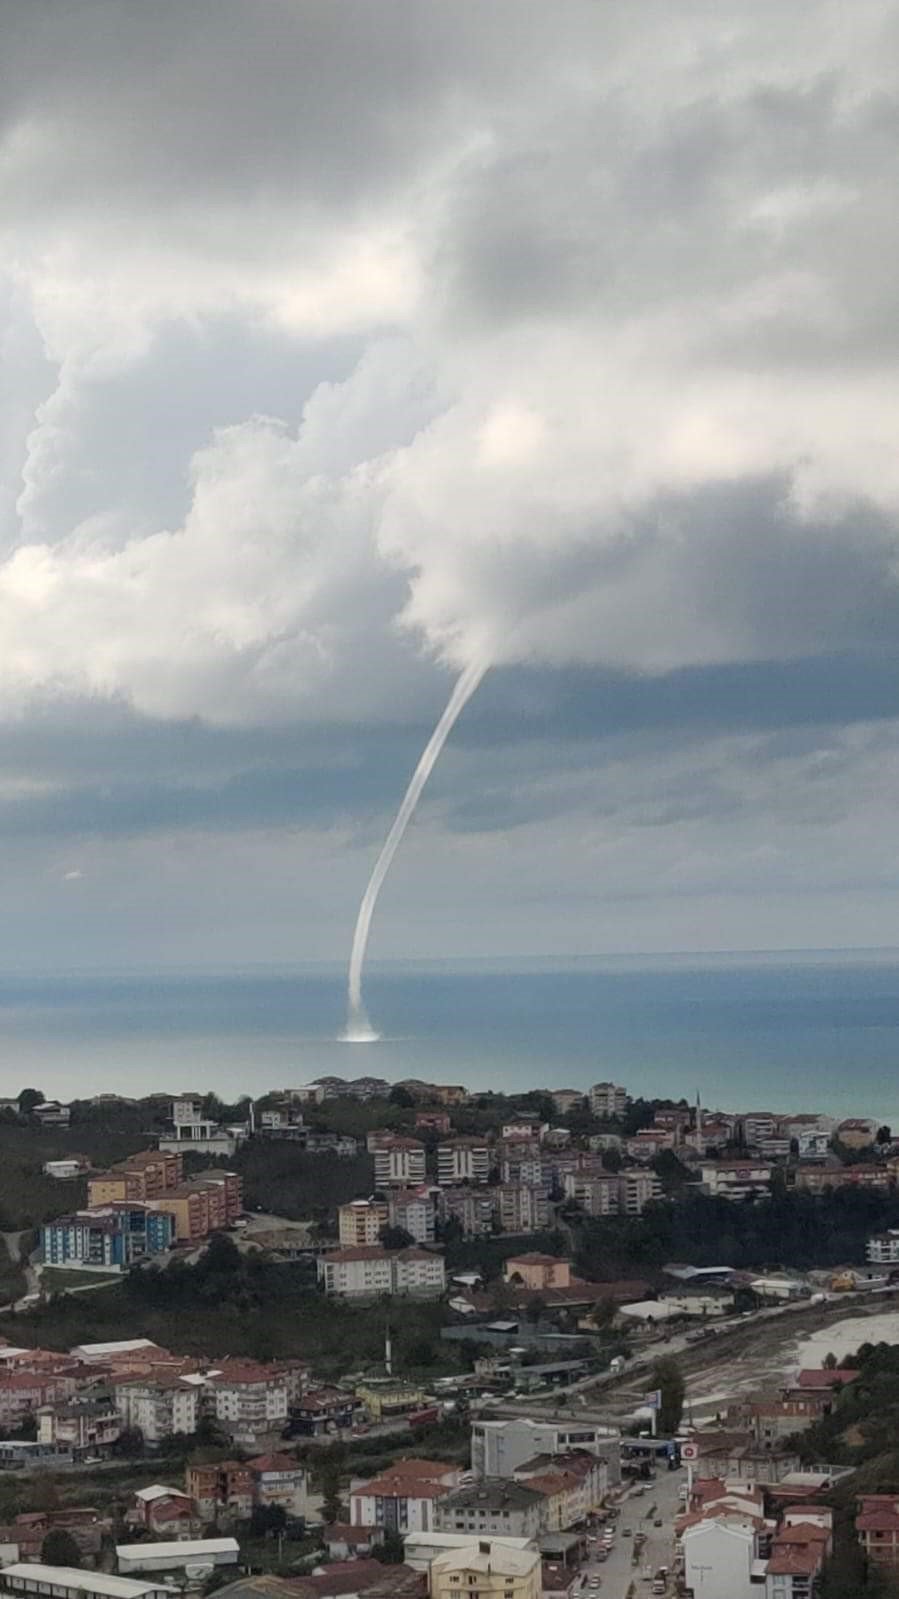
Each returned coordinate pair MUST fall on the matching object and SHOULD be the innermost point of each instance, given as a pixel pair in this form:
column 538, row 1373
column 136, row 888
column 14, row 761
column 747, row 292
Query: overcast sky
column 345, row 342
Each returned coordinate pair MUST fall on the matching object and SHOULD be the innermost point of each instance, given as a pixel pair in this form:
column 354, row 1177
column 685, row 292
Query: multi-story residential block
column 247, row 1399
column 774, row 1148
column 598, row 1195
column 736, row 1179
column 472, row 1208
column 158, row 1406
column 499, row 1448
column 883, row 1248
column 360, row 1222
column 399, row 1163
column 324, row 1410
column 22, row 1393
column 281, row 1480
column 493, row 1570
column 756, row 1125
column 369, row 1272
column 403, row 1497
column 877, row 1526
column 230, row 1185
column 649, row 1142
column 573, row 1486
column 796, row 1560
column 492, row 1505
column 109, row 1238
column 522, row 1208
column 524, row 1162
column 203, row 1205
column 415, row 1210
column 462, row 1160
column 84, row 1426
column 815, row 1176
column 636, row 1189
column 51, row 1114
column 608, row 1100
column 223, row 1485
column 812, row 1143
column 149, row 1174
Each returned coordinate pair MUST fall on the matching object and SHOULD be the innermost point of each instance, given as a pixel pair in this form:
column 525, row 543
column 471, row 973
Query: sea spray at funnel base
column 359, row 1029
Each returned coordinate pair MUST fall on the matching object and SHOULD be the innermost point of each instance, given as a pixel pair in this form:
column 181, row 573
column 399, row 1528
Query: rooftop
column 95, row 1582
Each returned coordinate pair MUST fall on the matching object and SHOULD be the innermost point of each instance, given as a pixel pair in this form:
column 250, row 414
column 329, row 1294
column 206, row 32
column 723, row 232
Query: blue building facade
column 108, row 1238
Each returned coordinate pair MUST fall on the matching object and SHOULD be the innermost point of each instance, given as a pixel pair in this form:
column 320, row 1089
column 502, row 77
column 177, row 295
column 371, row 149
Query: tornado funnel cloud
column 359, row 1028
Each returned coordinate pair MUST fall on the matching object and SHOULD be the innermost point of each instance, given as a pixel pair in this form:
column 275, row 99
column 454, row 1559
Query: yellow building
column 538, row 1271
column 391, row 1397
column 488, row 1568
column 360, row 1223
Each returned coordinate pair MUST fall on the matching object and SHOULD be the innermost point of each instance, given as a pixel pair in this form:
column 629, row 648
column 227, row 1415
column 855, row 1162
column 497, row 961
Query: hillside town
column 543, row 1432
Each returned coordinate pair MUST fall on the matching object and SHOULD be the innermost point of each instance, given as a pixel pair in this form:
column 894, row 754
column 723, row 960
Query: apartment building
column 280, row 1480
column 740, row 1179
column 472, row 1208
column 109, row 1238
column 158, row 1405
column 608, row 1100
column 597, row 1194
column 500, row 1448
column 147, row 1175
column 324, row 1410
column 758, row 1124
column 366, row 1273
column 203, row 1205
column 399, row 1163
column 404, row 1497
column 247, row 1399
column 524, row 1163
column 523, row 1208
column 636, row 1188
column 492, row 1505
column 222, row 1486
column 84, row 1426
column 492, row 1569
column 415, row 1210
column 572, row 1484
column 877, row 1526
column 360, row 1222
column 24, row 1392
column 462, row 1160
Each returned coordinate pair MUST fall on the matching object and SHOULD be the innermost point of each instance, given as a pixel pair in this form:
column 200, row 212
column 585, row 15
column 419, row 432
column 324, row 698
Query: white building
column 498, row 1448
column 368, row 1273
column 193, row 1133
column 721, row 1559
column 608, row 1099
column 399, row 1163
column 462, row 1160
column 883, row 1248
column 736, row 1179
column 415, row 1211
column 248, row 1400
column 176, row 1556
column 158, row 1406
column 403, row 1497
column 32, row 1580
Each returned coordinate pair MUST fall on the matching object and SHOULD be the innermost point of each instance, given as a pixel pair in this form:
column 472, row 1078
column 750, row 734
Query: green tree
column 612, row 1159
column 668, row 1379
column 28, row 1098
column 60, row 1549
column 390, row 1551
column 395, row 1238
column 401, row 1096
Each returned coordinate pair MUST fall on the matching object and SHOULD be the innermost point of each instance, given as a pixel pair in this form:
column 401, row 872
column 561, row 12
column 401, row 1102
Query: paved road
column 660, row 1501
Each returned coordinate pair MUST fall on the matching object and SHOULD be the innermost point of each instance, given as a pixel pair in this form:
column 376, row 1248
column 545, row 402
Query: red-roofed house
column 280, row 1480
column 877, row 1525
column 402, row 1498
column 797, row 1555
